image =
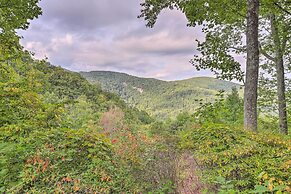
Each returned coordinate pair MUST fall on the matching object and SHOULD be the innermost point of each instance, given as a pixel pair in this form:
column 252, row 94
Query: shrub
column 63, row 160
column 238, row 155
column 222, row 111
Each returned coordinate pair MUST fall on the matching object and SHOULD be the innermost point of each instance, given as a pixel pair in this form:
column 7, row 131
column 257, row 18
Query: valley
column 161, row 99
column 103, row 132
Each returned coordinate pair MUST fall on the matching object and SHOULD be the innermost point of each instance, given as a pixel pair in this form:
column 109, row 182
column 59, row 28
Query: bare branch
column 280, row 7
column 266, row 54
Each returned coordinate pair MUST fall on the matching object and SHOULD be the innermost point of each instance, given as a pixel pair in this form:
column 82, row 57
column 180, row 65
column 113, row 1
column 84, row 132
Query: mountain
column 57, row 131
column 160, row 98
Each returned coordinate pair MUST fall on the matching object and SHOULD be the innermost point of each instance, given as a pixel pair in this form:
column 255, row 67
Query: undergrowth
column 246, row 159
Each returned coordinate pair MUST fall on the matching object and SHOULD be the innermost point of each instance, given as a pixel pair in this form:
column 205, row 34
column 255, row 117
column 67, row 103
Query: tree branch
column 266, row 54
column 237, row 48
column 280, row 7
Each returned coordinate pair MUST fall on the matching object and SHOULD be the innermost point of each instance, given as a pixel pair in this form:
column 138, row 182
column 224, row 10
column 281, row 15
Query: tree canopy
column 16, row 14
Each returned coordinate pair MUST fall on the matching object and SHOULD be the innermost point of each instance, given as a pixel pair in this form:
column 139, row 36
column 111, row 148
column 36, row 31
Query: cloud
column 106, row 35
column 161, row 43
column 76, row 15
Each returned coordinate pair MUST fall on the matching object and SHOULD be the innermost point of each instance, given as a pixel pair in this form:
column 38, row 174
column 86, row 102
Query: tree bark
column 283, row 125
column 252, row 68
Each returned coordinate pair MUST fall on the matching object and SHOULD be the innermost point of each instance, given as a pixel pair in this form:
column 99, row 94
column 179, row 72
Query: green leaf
column 260, row 189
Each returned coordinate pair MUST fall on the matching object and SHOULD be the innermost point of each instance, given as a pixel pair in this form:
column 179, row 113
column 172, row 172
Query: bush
column 51, row 135
column 238, row 155
column 223, row 111
column 63, row 160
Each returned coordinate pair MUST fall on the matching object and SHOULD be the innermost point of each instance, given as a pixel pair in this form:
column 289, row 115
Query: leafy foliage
column 15, row 14
column 238, row 155
column 227, row 110
column 61, row 134
column 52, row 138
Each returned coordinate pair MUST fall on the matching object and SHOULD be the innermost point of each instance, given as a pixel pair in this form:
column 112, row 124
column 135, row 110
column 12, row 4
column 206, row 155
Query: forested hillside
column 162, row 99
column 58, row 131
column 62, row 133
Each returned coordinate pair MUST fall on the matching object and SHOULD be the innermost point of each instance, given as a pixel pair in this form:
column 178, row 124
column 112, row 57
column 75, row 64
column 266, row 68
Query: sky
column 93, row 35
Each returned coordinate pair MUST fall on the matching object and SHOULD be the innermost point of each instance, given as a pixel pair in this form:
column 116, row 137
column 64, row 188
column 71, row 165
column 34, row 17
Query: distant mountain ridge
column 160, row 98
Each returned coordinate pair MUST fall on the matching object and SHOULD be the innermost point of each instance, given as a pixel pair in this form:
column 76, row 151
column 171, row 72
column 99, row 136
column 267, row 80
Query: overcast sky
column 106, row 35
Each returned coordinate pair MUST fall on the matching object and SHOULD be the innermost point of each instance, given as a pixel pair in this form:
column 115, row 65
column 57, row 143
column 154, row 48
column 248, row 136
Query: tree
column 225, row 110
column 212, row 13
column 274, row 47
column 15, row 14
column 252, row 68
column 280, row 73
column 217, row 49
column 224, row 25
column 234, row 106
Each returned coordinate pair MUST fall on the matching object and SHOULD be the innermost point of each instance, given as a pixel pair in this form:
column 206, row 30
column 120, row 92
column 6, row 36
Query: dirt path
column 187, row 170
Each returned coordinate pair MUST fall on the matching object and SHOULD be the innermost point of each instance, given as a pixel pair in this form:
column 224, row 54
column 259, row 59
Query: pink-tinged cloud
column 106, row 35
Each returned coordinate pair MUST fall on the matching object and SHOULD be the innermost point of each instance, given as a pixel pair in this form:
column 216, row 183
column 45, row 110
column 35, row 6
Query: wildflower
column 113, row 141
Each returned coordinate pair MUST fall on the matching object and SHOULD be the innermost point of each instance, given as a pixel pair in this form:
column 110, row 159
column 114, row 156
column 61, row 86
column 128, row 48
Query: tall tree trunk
column 252, row 69
column 280, row 76
column 281, row 96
